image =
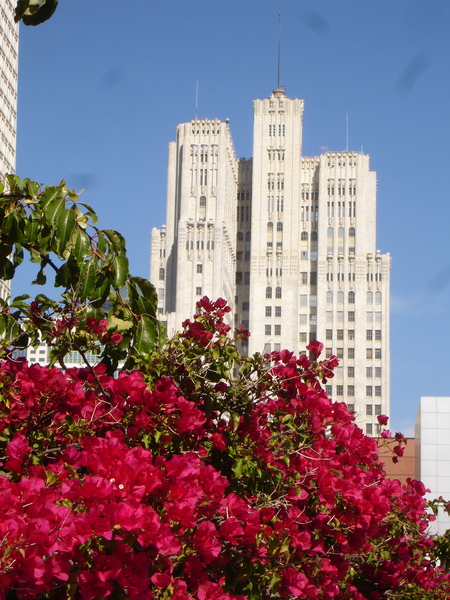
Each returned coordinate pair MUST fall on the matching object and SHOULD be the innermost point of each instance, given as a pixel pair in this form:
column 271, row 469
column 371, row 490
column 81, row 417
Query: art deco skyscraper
column 296, row 254
column 9, row 46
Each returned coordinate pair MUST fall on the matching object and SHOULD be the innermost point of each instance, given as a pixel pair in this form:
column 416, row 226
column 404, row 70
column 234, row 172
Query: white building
column 432, row 442
column 288, row 240
column 9, row 46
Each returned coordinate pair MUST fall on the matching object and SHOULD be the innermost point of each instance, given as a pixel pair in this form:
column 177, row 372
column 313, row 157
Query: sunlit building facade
column 9, row 47
column 295, row 248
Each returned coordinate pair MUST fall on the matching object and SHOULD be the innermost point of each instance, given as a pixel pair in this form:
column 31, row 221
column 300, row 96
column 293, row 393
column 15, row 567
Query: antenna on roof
column 196, row 101
column 279, row 47
column 346, row 126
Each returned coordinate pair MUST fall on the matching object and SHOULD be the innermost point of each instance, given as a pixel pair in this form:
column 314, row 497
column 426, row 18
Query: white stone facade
column 295, row 254
column 432, row 442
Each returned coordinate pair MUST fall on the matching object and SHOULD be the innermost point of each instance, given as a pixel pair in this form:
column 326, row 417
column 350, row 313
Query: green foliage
column 102, row 308
column 34, row 12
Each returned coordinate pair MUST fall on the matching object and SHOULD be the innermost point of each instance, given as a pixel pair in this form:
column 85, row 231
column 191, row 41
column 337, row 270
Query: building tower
column 294, row 248
column 194, row 254
column 9, row 46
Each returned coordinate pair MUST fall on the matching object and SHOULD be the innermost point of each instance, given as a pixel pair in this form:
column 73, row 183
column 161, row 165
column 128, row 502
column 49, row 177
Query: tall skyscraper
column 9, row 47
column 288, row 240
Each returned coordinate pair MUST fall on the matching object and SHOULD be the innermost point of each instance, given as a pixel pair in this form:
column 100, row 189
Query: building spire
column 196, row 101
column 279, row 51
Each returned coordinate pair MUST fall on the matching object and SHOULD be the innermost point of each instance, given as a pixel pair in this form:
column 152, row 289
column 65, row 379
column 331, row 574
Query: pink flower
column 315, row 348
column 383, row 419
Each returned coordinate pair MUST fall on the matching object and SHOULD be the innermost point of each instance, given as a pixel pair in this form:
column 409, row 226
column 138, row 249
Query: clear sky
column 104, row 83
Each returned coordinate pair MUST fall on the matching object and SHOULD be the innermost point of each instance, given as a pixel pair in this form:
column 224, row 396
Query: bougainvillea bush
column 202, row 475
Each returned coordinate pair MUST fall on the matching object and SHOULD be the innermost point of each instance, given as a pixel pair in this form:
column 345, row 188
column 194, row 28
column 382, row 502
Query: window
column 248, row 236
column 340, row 315
column 369, row 298
column 369, row 391
column 351, row 316
column 377, row 409
column 267, row 348
column 378, row 335
column 277, row 329
column 378, row 353
column 329, row 316
column 239, row 255
column 369, row 410
column 304, row 278
column 278, row 292
column 279, row 226
column 247, row 277
column 377, row 297
column 350, row 353
column 268, row 292
column 161, row 274
column 350, row 390
column 329, row 297
column 368, row 335
column 313, row 278
column 368, row 353
column 268, row 329
column 278, row 311
column 303, row 300
column 268, row 311
column 340, row 297
column 328, row 334
column 202, row 200
column 378, row 391
column 377, row 372
column 339, row 390
column 340, row 334
column 245, row 306
column 304, row 236
column 369, row 429
column 328, row 352
column 369, row 317
column 247, row 255
column 199, row 268
column 340, row 352
column 313, row 300
column 303, row 318
column 329, row 390
column 302, row 337
column 240, row 236
column 198, row 291
column 238, row 277
column 378, row 316
column 351, row 407
column 369, row 372
column 350, row 372
column 277, row 347
column 351, row 297
column 351, row 334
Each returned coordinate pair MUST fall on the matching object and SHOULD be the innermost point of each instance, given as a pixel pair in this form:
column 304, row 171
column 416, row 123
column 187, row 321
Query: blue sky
column 104, row 83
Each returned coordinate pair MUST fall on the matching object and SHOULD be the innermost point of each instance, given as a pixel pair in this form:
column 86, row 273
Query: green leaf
column 146, row 335
column 88, row 278
column 121, row 271
column 116, row 239
column 53, row 208
column 41, row 277
column 65, row 226
column 81, row 245
column 35, row 15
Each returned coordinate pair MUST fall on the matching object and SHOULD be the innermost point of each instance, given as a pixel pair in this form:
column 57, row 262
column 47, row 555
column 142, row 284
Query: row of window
column 370, row 353
column 277, row 292
column 276, row 329
column 340, row 297
column 273, row 130
column 277, row 311
column 240, row 255
column 370, row 334
column 240, row 236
